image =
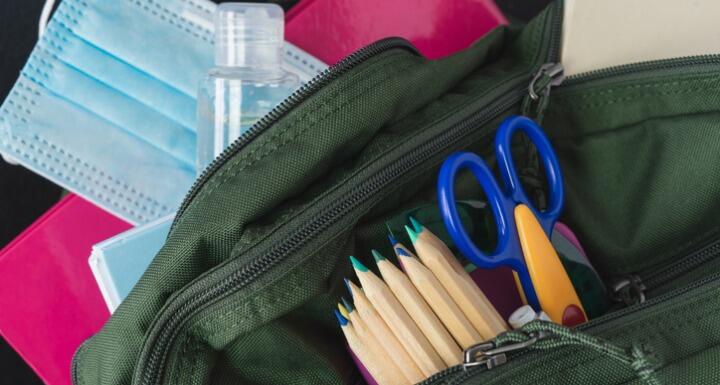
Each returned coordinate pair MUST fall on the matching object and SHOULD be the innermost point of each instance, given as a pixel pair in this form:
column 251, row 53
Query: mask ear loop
column 45, row 16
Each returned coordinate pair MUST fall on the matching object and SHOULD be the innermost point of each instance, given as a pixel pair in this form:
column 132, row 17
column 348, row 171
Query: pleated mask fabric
column 105, row 105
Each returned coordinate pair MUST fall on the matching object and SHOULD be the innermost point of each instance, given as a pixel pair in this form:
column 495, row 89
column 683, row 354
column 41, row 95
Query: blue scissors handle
column 509, row 174
column 502, row 201
column 507, row 251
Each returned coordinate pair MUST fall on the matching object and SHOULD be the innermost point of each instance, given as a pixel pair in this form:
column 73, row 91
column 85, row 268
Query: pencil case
column 243, row 289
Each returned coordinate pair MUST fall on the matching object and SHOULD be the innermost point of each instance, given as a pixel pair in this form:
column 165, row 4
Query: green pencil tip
column 378, row 257
column 348, row 305
column 415, row 224
column 413, row 235
column 357, row 264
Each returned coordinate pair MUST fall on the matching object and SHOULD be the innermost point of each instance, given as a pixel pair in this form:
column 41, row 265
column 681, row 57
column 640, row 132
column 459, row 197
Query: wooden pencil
column 444, row 265
column 394, row 374
column 438, row 298
column 371, row 362
column 398, row 320
column 384, row 335
column 418, row 309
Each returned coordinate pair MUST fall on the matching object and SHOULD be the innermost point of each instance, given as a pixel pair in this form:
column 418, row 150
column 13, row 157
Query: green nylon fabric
column 640, row 162
column 677, row 340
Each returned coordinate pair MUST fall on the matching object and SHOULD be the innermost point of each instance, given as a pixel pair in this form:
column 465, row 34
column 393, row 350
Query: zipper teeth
column 465, row 374
column 297, row 97
column 148, row 373
column 630, row 68
column 258, row 266
column 659, row 277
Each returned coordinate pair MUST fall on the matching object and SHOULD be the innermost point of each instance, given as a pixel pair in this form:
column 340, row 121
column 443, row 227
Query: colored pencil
column 398, row 320
column 438, row 298
column 391, row 372
column 384, row 335
column 445, row 266
column 419, row 311
column 370, row 361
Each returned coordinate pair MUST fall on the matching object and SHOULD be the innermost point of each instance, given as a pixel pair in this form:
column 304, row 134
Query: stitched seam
column 202, row 7
column 93, row 171
column 268, row 142
column 642, row 95
column 364, row 91
column 176, row 20
column 633, row 87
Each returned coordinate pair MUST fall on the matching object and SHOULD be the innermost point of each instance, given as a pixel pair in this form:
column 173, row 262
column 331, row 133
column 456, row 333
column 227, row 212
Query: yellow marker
column 438, row 298
column 468, row 296
column 399, row 321
column 553, row 287
column 419, row 310
column 384, row 336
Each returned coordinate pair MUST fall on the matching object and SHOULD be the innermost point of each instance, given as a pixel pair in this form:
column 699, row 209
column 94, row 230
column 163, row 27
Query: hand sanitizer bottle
column 248, row 79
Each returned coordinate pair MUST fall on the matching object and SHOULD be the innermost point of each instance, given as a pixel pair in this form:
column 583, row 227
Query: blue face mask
column 105, row 105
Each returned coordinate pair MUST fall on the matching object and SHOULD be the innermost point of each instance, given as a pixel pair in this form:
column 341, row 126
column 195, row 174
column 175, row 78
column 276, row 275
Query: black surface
column 24, row 196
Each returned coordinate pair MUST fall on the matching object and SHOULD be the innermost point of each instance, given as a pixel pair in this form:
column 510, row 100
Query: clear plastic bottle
column 248, row 79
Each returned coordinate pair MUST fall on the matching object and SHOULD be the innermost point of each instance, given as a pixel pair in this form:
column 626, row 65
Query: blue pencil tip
column 348, row 305
column 341, row 320
column 415, row 224
column 401, row 251
column 392, row 240
column 347, row 286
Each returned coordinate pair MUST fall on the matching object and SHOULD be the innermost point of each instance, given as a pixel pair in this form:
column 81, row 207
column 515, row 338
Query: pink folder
column 333, row 29
column 49, row 300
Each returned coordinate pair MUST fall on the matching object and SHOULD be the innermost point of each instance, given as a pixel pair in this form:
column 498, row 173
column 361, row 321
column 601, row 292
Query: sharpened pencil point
column 413, row 235
column 392, row 239
column 401, row 251
column 357, row 264
column 343, row 310
column 378, row 257
column 341, row 320
column 348, row 304
column 415, row 224
column 347, row 286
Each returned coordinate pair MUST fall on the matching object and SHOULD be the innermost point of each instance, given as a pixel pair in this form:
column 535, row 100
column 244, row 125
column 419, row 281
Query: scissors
column 523, row 231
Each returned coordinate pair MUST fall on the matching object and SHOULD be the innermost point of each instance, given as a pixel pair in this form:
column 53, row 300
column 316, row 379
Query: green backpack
column 243, row 290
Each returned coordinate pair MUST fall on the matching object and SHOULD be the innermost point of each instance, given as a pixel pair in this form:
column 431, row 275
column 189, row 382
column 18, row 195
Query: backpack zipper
column 149, row 367
column 152, row 358
column 632, row 288
column 493, row 355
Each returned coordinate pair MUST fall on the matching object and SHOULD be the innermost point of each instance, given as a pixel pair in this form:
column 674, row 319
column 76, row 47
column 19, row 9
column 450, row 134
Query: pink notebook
column 49, row 299
column 333, row 29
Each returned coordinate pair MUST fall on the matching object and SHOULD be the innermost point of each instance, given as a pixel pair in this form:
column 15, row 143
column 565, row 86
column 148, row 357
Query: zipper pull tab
column 629, row 290
column 549, row 75
column 491, row 355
